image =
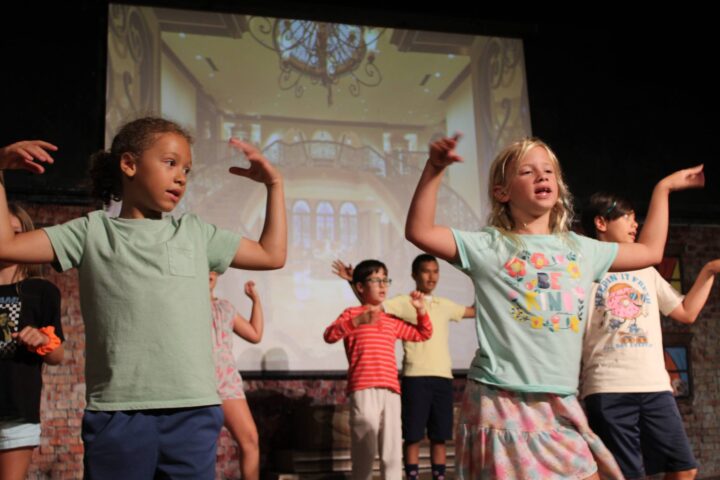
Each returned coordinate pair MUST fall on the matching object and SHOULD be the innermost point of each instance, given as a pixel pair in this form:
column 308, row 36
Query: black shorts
column 427, row 402
column 644, row 432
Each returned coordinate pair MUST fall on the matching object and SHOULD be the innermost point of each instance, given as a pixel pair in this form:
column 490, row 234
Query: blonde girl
column 520, row 417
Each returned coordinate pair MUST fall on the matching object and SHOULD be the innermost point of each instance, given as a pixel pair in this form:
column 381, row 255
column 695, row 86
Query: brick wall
column 697, row 245
column 274, row 401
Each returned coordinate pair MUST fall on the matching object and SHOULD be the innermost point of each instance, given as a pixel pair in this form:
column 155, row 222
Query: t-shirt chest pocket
column 181, row 260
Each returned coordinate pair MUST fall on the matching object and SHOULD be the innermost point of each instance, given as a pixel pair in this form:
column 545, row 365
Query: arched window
column 323, row 146
column 301, row 224
column 348, row 224
column 324, row 221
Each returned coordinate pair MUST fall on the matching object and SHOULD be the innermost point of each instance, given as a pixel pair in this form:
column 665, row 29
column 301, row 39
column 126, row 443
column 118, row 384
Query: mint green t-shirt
column 145, row 301
column 532, row 303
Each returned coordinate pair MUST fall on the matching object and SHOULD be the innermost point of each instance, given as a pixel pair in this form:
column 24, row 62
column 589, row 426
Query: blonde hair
column 502, row 171
column 24, row 270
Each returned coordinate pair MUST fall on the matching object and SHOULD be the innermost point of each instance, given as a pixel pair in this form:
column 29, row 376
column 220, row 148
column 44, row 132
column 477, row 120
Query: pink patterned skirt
column 514, row 435
column 230, row 384
column 229, row 381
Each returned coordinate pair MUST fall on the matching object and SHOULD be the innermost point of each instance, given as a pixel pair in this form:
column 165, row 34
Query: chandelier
column 322, row 52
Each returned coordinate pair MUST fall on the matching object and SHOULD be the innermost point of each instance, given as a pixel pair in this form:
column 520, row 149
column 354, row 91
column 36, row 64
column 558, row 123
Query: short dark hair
column 419, row 260
column 364, row 269
column 606, row 205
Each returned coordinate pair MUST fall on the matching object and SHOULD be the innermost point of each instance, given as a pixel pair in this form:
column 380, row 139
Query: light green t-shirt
column 145, row 302
column 430, row 358
column 532, row 302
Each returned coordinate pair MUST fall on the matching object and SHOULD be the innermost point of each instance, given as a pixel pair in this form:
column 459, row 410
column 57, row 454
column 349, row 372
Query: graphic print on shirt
column 9, row 321
column 545, row 291
column 622, row 299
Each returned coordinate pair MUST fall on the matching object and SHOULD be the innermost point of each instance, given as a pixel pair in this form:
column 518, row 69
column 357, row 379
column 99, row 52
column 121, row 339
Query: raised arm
column 26, row 247
column 270, row 251
column 251, row 331
column 694, row 301
column 650, row 246
column 346, row 273
column 420, row 227
column 423, row 329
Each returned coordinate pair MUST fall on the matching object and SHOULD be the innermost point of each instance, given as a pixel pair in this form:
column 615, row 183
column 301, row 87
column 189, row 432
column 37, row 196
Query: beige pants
column 375, row 426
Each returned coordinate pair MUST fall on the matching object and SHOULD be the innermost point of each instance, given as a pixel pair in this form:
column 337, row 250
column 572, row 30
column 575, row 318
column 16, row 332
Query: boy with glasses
column 369, row 336
column 427, row 390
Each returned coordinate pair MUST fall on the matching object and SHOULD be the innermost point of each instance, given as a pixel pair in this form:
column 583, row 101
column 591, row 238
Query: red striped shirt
column 370, row 348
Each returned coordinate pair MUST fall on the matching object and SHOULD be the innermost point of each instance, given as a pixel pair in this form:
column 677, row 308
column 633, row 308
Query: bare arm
column 245, row 330
column 694, row 301
column 420, row 227
column 650, row 246
column 252, row 330
column 55, row 357
column 27, row 247
column 270, row 251
column 469, row 312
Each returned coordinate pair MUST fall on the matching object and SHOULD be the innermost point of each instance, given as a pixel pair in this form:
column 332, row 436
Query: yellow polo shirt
column 430, row 358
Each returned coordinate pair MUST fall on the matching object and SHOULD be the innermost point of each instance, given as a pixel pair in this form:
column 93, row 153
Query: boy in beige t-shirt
column 627, row 391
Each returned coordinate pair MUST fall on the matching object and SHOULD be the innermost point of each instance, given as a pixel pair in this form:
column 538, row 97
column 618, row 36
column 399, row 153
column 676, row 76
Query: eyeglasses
column 384, row 281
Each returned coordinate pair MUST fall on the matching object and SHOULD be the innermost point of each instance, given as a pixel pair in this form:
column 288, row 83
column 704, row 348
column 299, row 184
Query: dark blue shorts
column 427, row 402
column 644, row 432
column 169, row 443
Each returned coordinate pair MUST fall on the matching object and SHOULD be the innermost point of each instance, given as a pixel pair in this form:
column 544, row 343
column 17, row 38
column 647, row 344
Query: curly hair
column 134, row 137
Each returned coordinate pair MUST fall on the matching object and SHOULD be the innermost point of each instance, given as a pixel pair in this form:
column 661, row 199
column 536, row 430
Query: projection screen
column 346, row 113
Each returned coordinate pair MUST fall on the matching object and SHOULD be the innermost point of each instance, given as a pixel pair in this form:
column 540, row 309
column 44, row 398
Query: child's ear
column 500, row 193
column 600, row 224
column 128, row 164
column 360, row 287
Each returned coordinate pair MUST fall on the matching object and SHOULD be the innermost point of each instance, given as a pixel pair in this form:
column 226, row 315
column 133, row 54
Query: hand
column 417, row 299
column 341, row 270
column 368, row 317
column 684, row 179
column 26, row 155
column 260, row 169
column 442, row 152
column 31, row 337
column 250, row 290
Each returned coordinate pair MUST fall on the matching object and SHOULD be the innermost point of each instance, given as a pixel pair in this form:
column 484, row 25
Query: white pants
column 375, row 425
